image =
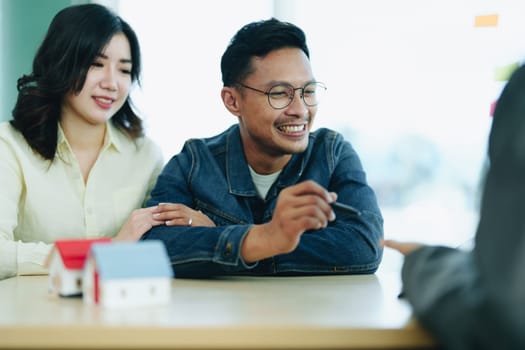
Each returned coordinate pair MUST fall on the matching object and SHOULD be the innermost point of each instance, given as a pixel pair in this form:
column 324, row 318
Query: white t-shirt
column 263, row 182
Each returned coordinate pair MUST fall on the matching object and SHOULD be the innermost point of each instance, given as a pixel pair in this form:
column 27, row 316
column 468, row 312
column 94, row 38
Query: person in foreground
column 256, row 199
column 74, row 161
column 476, row 299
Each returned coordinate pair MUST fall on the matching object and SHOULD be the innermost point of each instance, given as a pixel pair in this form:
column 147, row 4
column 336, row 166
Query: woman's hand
column 170, row 214
column 174, row 214
column 139, row 222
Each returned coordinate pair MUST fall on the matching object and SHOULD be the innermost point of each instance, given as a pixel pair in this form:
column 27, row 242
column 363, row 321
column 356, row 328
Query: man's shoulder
column 214, row 143
column 323, row 135
column 324, row 131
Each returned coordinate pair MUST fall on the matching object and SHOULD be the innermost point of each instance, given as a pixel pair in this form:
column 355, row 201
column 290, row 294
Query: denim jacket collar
column 238, row 175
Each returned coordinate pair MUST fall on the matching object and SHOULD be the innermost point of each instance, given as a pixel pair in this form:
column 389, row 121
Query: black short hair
column 258, row 39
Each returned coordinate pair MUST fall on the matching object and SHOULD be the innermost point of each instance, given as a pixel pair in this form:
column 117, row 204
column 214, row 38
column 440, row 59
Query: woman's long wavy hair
column 75, row 37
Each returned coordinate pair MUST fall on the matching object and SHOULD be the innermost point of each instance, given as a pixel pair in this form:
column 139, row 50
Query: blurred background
column 411, row 84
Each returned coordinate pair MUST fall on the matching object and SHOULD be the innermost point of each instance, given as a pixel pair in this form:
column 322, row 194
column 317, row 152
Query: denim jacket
column 212, row 175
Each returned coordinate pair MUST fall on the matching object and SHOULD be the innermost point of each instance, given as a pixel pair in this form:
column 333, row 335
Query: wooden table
column 325, row 312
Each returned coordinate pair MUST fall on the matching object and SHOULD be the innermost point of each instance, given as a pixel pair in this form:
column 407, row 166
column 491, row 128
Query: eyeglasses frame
column 267, row 92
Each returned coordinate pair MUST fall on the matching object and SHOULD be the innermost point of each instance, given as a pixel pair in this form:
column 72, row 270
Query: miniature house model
column 66, row 262
column 127, row 274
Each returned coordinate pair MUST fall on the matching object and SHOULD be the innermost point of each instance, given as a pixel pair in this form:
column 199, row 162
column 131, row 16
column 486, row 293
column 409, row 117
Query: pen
column 345, row 208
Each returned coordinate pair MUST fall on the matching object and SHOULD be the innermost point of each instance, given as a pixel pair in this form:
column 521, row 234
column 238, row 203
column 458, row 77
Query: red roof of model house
column 73, row 252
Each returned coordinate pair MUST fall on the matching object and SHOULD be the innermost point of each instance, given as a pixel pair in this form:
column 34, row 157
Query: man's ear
column 231, row 99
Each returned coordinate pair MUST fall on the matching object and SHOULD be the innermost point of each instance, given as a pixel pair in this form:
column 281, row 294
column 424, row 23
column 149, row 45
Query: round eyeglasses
column 281, row 96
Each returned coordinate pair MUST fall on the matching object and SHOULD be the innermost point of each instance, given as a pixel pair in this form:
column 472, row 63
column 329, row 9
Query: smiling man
column 257, row 198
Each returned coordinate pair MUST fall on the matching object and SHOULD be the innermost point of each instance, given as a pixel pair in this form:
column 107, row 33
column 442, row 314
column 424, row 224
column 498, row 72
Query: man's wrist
column 255, row 245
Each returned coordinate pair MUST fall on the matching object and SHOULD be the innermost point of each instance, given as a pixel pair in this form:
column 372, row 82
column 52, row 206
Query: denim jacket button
column 228, row 250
